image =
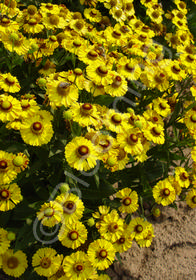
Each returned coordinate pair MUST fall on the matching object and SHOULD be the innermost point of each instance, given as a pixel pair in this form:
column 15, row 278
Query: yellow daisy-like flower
column 129, row 200
column 111, row 226
column 80, row 154
column 161, row 106
column 147, row 237
column 190, row 120
column 7, row 172
column 36, row 131
column 46, row 261
column 85, row 114
column 20, row 162
column 154, row 133
column 114, row 121
column 89, row 55
column 10, row 108
column 130, row 141
column 182, row 177
column 59, row 275
column 92, row 15
column 73, row 207
column 101, row 254
column 78, row 267
column 10, row 196
column 118, row 87
column 137, row 227
column 164, row 193
column 73, row 235
column 4, row 241
column 103, row 210
column 7, row 25
column 153, row 116
column 50, row 214
column 14, row 264
column 99, row 74
column 175, row 183
column 61, row 92
column 53, row 21
column 124, row 242
column 33, row 26
column 175, row 71
column 129, row 68
column 29, row 107
column 191, row 198
column 15, row 42
column 50, row 8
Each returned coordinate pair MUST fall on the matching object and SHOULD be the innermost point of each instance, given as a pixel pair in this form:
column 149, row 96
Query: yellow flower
column 129, row 68
column 114, row 121
column 7, row 172
column 182, row 177
column 137, row 227
column 164, row 193
column 161, row 106
column 50, row 214
column 33, row 26
column 20, row 162
column 29, row 107
column 111, row 226
column 154, row 133
column 10, row 196
column 124, row 242
column 89, row 55
column 99, row 73
column 46, row 261
column 10, row 108
column 80, row 154
column 14, row 264
column 191, row 198
column 129, row 200
column 101, row 254
column 72, row 205
column 36, row 131
column 4, row 241
column 53, row 21
column 153, row 116
column 78, row 267
column 147, row 237
column 103, row 210
column 15, row 42
column 73, row 235
column 8, row 25
column 118, row 87
column 92, row 14
column 46, row 8
column 85, row 114
column 130, row 141
column 61, row 92
column 175, row 71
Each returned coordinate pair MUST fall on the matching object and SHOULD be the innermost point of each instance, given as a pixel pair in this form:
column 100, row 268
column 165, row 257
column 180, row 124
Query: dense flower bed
column 92, row 93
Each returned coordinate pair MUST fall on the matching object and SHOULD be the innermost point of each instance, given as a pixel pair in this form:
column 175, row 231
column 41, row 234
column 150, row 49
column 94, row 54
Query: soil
column 172, row 254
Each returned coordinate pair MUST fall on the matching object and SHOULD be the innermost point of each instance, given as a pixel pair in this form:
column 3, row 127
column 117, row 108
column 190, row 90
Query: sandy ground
column 172, row 254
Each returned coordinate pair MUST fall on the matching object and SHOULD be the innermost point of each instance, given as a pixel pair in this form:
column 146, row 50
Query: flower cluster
column 100, row 88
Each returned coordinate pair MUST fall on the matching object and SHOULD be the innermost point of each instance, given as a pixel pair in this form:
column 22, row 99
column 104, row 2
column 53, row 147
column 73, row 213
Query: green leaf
column 24, row 238
column 104, row 99
column 118, row 257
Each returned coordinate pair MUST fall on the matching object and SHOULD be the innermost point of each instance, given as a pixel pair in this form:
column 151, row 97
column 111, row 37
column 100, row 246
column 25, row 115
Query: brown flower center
column 32, row 21
column 49, row 212
column 155, row 119
column 79, row 24
column 121, row 240
column 78, row 72
column 116, row 119
column 83, row 150
column 193, row 118
column 113, row 227
column 103, row 254
column 175, row 69
column 126, row 201
column 54, row 20
column 69, row 207
column 4, row 195
column 162, row 106
column 166, row 192
column 102, row 71
column 133, row 138
column 45, row 262
column 31, row 10
column 6, row 105
column 10, row 80
column 79, row 267
column 49, row 6
column 92, row 55
column 194, row 199
column 12, row 262
column 73, row 235
column 3, row 165
column 93, row 13
column 77, row 43
column 190, row 58
column 118, row 13
column 139, row 228
column 184, row 176
column 129, row 67
column 116, row 34
column 156, row 131
column 37, row 128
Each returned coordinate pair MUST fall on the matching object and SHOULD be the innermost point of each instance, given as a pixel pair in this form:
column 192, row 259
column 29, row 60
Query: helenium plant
column 97, row 106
